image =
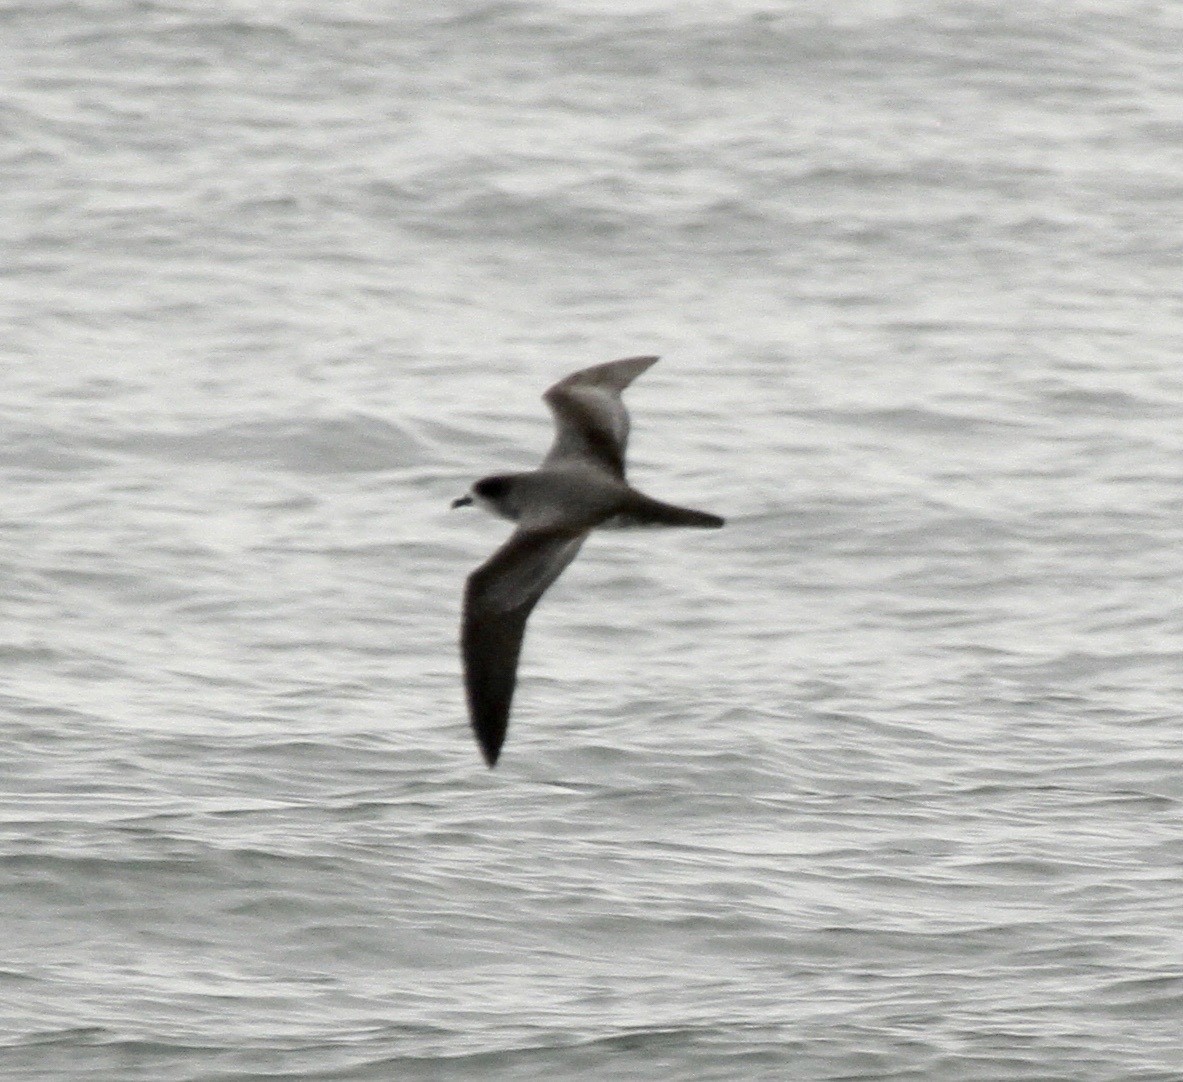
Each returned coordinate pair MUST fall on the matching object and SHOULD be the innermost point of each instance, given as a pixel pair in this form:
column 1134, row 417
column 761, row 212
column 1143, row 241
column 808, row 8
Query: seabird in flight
column 579, row 487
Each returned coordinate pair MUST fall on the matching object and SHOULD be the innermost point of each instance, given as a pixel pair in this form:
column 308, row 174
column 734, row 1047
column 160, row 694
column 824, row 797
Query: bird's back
column 568, row 497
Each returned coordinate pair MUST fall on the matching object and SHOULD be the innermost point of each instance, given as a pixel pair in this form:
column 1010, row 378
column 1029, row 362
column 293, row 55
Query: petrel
column 580, row 487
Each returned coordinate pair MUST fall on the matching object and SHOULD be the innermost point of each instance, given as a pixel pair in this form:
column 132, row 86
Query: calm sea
column 884, row 781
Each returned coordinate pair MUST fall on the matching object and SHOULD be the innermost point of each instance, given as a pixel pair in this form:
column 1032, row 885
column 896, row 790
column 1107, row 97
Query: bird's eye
column 491, row 488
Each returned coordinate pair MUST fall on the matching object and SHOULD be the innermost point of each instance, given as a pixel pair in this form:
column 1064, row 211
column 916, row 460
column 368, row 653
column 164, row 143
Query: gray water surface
column 882, row 781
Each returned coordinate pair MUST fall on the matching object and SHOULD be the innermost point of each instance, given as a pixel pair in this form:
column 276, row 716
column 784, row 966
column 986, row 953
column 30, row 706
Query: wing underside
column 498, row 599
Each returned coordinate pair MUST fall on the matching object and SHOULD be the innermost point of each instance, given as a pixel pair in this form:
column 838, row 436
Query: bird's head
column 495, row 494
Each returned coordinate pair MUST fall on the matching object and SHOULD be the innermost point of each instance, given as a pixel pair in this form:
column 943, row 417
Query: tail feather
column 642, row 510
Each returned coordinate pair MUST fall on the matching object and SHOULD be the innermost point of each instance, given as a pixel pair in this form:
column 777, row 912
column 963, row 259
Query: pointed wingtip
column 635, row 365
column 489, row 735
column 489, row 738
column 614, row 375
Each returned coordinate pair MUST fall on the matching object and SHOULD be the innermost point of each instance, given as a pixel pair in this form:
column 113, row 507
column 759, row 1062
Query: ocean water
column 882, row 781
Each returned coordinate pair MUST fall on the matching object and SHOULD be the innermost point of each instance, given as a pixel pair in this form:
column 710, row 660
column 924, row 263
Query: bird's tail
column 642, row 510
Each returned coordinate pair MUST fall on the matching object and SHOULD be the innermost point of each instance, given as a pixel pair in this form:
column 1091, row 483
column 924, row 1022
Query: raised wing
column 498, row 599
column 590, row 418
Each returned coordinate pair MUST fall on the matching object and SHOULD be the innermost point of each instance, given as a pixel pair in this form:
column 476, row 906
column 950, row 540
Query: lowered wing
column 498, row 599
